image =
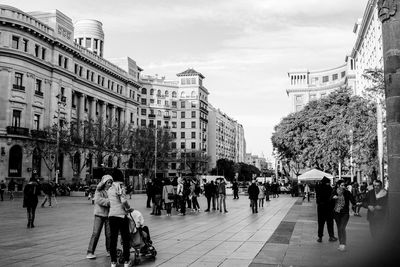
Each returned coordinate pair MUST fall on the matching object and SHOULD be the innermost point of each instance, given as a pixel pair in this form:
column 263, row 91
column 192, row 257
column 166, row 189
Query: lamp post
column 155, row 151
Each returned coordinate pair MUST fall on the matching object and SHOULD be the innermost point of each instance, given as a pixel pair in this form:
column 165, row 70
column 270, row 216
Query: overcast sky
column 244, row 48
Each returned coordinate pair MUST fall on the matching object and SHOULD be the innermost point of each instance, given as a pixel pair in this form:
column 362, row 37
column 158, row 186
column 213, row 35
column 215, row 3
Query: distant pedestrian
column 222, row 195
column 342, row 198
column 157, row 190
column 101, row 210
column 355, row 191
column 307, row 192
column 208, row 193
column 235, row 189
column 47, row 189
column 168, row 196
column 216, row 194
column 11, row 188
column 261, row 195
column 182, row 197
column 195, row 195
column 253, row 192
column 2, row 189
column 149, row 193
column 377, row 209
column 325, row 209
column 267, row 186
column 30, row 201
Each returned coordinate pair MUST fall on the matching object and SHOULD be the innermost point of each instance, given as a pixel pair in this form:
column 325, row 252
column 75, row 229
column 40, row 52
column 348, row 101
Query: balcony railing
column 39, row 93
column 17, row 130
column 152, row 115
column 167, row 117
column 19, row 87
column 38, row 134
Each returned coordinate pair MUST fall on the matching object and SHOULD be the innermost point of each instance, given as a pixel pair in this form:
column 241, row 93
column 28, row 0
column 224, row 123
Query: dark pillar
column 389, row 14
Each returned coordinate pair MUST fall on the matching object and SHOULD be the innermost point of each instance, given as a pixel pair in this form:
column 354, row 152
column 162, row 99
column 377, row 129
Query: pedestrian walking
column 307, row 192
column 342, row 197
column 325, row 209
column 261, row 195
column 377, row 209
column 157, row 197
column 195, row 195
column 222, row 195
column 2, row 189
column 47, row 189
column 253, row 192
column 182, row 197
column 355, row 191
column 30, row 201
column 119, row 222
column 267, row 191
column 168, row 196
column 101, row 211
column 149, row 193
column 11, row 188
column 215, row 196
column 235, row 189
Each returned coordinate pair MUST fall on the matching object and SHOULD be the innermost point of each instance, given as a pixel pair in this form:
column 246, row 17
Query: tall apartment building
column 226, row 138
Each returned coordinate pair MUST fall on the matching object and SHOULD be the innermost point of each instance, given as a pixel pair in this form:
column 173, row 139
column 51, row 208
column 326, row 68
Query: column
column 103, row 112
column 92, row 113
column 112, row 119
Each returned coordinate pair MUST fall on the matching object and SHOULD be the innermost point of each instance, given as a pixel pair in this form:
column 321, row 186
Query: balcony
column 167, row 117
column 39, row 93
column 152, row 115
column 39, row 134
column 17, row 130
column 18, row 87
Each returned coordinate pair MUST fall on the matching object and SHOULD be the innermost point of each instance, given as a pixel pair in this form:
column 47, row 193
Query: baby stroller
column 139, row 239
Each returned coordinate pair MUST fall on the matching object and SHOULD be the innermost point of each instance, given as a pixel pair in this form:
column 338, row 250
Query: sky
column 244, row 48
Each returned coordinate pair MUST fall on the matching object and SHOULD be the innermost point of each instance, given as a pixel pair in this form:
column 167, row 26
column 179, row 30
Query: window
column 183, row 80
column 85, row 104
column 43, row 53
column 193, row 94
column 298, row 107
column 60, row 60
column 173, row 134
column 334, row 76
column 37, row 47
column 143, row 101
column 193, row 124
column 183, row 95
column 193, row 105
column 152, row 91
column 88, row 43
column 158, row 102
column 183, row 104
column 325, row 79
column 151, row 101
column 159, row 113
column 299, row 98
column 193, row 135
column 36, row 122
column 343, row 74
column 25, row 45
column 65, row 63
column 174, row 124
column 16, row 119
column 174, row 94
column 73, row 101
column 174, row 114
column 158, row 93
column 193, row 145
column 183, row 114
column 80, row 70
column 143, row 111
column 38, row 87
column 173, row 145
column 15, row 42
column 313, row 97
column 193, row 114
column 158, row 123
column 182, row 134
column 166, row 93
column 173, row 103
column 183, row 125
column 76, row 69
column 182, row 144
column 18, row 81
column 143, row 123
column 193, row 80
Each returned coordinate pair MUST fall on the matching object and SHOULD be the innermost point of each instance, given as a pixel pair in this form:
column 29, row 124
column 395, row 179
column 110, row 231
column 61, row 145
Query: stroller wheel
column 154, row 254
column 120, row 256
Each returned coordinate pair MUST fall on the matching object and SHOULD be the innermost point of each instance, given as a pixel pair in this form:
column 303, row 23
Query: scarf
column 340, row 202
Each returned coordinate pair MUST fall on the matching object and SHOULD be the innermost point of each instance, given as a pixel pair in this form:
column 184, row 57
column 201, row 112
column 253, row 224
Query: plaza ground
column 283, row 233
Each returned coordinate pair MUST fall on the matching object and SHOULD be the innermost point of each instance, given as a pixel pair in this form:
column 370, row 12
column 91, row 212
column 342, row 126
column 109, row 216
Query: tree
column 320, row 135
column 196, row 161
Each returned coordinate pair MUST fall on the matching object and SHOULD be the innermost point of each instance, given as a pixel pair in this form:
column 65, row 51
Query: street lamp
column 155, row 151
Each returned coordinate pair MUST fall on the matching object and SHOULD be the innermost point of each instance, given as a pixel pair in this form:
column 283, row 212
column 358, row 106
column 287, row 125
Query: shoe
column 226, row 211
column 32, row 226
column 332, row 239
column 113, row 264
column 342, row 247
column 319, row 239
column 152, row 213
column 207, row 210
column 91, row 256
column 28, row 225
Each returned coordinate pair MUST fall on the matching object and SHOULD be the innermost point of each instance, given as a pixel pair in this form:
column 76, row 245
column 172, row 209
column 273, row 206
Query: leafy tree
column 196, row 161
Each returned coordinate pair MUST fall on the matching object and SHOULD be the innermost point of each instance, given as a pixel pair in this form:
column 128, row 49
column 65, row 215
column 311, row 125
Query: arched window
column 144, row 91
column 15, row 162
column 158, row 92
column 182, row 94
column 110, row 162
column 193, row 94
column 166, row 93
column 152, row 91
column 36, row 162
column 174, row 94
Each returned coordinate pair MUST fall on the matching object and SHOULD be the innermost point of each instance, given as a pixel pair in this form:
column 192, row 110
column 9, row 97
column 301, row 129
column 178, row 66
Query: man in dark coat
column 208, row 192
column 253, row 196
column 150, row 193
column 325, row 209
column 235, row 189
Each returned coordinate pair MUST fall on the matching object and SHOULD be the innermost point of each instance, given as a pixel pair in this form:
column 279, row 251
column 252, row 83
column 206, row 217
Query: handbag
column 171, row 196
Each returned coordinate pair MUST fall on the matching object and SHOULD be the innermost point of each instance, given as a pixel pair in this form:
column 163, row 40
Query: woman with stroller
column 119, row 222
column 101, row 210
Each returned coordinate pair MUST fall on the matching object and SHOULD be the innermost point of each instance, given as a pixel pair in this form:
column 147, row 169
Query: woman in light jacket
column 119, row 222
column 168, row 196
column 101, row 209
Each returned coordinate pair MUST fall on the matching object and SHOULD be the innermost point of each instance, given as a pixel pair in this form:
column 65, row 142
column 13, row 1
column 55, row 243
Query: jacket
column 253, row 191
column 348, row 197
column 118, row 202
column 31, row 193
column 167, row 189
column 101, row 201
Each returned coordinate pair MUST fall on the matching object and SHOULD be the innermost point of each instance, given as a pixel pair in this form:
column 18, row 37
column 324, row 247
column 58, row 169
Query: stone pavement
column 283, row 233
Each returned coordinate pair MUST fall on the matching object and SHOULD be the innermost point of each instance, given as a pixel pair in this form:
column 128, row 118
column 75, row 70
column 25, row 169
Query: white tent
column 314, row 175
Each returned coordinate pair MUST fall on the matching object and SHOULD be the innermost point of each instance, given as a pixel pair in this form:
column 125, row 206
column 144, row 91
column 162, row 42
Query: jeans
column 119, row 225
column 341, row 220
column 209, row 202
column 195, row 202
column 222, row 201
column 168, row 207
column 213, row 202
column 325, row 214
column 182, row 201
column 253, row 203
column 31, row 211
column 98, row 223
